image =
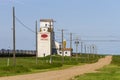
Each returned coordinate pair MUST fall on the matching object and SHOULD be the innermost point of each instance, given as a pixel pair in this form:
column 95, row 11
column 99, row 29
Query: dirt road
column 63, row 74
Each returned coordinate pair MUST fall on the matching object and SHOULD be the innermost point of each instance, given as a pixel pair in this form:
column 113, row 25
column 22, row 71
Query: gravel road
column 65, row 74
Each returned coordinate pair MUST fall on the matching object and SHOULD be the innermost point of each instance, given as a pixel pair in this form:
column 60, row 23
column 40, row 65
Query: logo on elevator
column 44, row 36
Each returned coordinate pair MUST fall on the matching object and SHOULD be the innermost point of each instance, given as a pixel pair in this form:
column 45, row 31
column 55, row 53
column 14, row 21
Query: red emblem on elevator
column 44, row 35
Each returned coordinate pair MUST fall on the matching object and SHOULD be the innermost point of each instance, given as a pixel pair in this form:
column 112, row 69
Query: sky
column 87, row 19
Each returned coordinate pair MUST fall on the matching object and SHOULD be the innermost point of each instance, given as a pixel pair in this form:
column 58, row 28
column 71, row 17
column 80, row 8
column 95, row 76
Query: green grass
column 26, row 65
column 116, row 60
column 110, row 72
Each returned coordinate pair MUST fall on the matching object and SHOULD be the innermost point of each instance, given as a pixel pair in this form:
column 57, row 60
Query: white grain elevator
column 46, row 40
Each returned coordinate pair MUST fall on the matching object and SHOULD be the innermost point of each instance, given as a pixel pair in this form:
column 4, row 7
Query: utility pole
column 85, row 48
column 85, row 51
column 62, row 47
column 76, row 42
column 81, row 47
column 93, row 48
column 36, row 44
column 70, row 44
column 88, row 47
column 96, row 51
column 91, row 51
column 14, row 45
column 51, row 42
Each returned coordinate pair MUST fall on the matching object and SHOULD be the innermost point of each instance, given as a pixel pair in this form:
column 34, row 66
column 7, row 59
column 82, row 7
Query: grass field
column 110, row 72
column 26, row 65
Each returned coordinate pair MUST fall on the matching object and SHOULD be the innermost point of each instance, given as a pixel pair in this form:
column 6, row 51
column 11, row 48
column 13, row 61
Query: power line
column 101, row 40
column 107, row 36
column 24, row 25
column 109, row 40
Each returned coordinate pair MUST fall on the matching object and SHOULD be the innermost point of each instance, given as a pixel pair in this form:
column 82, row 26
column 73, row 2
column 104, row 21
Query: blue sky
column 89, row 19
